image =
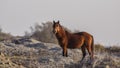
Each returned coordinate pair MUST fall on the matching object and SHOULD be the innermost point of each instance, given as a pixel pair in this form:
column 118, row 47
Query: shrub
column 4, row 36
column 99, row 48
column 43, row 32
column 113, row 49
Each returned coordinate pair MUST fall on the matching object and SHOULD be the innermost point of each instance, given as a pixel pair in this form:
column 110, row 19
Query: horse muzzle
column 54, row 32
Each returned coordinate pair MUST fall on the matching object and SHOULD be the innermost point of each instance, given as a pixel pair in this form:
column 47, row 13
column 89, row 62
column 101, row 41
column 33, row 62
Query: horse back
column 75, row 40
column 88, row 37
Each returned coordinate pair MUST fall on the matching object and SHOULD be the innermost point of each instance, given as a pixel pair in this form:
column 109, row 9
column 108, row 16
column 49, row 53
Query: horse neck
column 61, row 33
column 68, row 34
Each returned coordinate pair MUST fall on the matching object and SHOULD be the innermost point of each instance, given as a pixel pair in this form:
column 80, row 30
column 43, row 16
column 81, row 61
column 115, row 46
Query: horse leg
column 65, row 51
column 83, row 52
column 90, row 51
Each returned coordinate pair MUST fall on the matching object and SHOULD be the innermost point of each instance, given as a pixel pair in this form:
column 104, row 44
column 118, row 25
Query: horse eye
column 57, row 25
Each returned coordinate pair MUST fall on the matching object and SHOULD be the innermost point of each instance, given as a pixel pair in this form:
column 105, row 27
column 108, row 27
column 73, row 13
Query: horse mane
column 65, row 32
column 68, row 34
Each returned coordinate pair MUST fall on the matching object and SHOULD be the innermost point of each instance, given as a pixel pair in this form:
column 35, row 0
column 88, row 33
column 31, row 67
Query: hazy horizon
column 101, row 18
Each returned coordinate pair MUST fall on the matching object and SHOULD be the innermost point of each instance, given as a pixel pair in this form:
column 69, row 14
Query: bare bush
column 43, row 32
column 113, row 49
column 99, row 48
column 4, row 36
column 0, row 29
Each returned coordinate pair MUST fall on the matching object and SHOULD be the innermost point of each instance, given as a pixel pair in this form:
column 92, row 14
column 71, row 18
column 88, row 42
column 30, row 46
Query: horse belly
column 75, row 43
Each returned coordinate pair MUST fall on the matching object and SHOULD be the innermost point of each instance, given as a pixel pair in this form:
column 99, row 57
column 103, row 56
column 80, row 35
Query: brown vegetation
column 5, row 36
column 99, row 48
column 35, row 54
column 43, row 33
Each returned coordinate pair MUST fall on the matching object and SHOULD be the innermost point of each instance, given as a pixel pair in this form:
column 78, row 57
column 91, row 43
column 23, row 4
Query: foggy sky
column 101, row 18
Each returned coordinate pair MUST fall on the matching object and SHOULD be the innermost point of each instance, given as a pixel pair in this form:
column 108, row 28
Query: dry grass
column 47, row 55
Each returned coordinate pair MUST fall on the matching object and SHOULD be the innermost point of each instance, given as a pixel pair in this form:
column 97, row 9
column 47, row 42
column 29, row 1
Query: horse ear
column 53, row 21
column 58, row 22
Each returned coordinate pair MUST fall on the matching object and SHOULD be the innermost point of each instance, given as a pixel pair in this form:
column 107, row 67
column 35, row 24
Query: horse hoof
column 81, row 61
column 90, row 62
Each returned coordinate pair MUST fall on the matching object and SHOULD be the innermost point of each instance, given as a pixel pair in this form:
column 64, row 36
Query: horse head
column 56, row 27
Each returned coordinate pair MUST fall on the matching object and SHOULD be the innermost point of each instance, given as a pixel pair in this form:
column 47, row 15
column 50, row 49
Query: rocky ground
column 30, row 53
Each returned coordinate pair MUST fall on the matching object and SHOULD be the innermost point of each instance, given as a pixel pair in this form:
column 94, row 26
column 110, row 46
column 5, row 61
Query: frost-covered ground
column 34, row 54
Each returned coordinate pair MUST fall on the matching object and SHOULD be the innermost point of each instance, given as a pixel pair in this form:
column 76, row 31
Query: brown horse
column 73, row 40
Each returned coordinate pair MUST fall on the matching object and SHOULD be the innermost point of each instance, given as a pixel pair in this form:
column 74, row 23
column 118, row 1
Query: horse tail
column 92, row 45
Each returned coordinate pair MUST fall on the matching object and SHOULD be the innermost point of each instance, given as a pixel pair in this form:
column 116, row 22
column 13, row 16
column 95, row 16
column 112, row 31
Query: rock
column 51, row 60
column 34, row 41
